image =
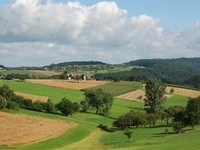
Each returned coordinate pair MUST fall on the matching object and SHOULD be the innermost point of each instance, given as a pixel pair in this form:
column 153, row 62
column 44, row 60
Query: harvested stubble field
column 33, row 97
column 184, row 92
column 68, row 84
column 18, row 129
column 137, row 95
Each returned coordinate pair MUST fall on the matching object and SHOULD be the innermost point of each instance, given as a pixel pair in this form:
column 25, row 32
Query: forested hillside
column 181, row 71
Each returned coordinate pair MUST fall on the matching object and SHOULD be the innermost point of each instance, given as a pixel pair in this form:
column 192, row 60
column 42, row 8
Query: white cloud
column 39, row 32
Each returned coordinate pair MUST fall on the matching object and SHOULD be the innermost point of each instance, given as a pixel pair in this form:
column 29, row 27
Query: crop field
column 185, row 92
column 118, row 88
column 21, row 129
column 68, row 84
column 32, row 97
column 138, row 95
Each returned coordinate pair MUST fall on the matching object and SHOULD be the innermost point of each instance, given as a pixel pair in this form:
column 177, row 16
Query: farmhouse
column 78, row 76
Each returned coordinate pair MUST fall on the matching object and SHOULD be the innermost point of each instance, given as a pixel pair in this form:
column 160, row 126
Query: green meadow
column 118, row 88
column 87, row 136
column 54, row 93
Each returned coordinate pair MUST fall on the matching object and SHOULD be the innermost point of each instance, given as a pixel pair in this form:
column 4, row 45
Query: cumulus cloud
column 39, row 32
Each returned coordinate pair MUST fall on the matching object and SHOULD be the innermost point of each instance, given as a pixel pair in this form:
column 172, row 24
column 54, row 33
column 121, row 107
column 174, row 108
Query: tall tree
column 99, row 100
column 193, row 111
column 154, row 92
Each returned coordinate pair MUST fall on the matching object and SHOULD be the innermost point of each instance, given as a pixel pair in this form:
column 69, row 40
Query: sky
column 42, row 32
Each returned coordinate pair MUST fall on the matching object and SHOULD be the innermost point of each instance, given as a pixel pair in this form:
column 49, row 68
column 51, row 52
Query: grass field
column 153, row 139
column 31, row 73
column 87, row 136
column 179, row 100
column 117, row 69
column 118, row 88
column 54, row 93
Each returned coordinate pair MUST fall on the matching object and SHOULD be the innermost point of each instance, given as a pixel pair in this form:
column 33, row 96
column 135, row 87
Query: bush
column 66, row 107
column 171, row 91
column 39, row 106
column 106, row 128
column 49, row 106
column 3, row 102
column 177, row 127
column 12, row 105
column 6, row 92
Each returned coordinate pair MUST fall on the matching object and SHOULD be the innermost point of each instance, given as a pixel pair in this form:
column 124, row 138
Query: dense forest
column 181, row 71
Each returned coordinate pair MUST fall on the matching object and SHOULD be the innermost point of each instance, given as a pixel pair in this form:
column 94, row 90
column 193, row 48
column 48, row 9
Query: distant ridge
column 74, row 63
column 193, row 63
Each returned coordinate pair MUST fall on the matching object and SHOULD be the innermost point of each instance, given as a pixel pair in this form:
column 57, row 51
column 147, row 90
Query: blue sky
column 41, row 32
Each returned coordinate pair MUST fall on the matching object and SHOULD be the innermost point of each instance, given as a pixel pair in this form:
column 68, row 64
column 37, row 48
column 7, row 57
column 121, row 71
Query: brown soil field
column 137, row 95
column 185, row 92
column 50, row 73
column 18, row 129
column 33, row 97
column 68, row 84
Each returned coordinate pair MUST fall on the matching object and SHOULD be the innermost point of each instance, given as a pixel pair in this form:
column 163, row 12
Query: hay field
column 33, row 97
column 18, row 129
column 68, row 84
column 184, row 92
column 137, row 95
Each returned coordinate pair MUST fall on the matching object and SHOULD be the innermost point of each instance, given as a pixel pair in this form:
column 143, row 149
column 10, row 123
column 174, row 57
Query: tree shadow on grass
column 162, row 134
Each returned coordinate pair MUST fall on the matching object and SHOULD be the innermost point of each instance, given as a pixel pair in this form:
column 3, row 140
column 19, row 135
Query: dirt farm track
column 18, row 129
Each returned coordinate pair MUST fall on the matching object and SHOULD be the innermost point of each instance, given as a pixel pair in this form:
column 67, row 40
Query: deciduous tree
column 154, row 92
column 99, row 100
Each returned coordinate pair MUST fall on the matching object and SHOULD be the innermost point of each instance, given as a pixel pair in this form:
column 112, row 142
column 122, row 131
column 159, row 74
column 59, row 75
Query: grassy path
column 90, row 142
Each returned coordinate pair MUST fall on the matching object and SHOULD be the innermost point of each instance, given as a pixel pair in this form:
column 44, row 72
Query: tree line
column 176, row 116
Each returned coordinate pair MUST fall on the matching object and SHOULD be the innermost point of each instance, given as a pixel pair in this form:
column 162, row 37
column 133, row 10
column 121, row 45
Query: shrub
column 12, row 105
column 178, row 126
column 171, row 91
column 49, row 106
column 3, row 102
column 106, row 128
column 66, row 107
column 39, row 106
